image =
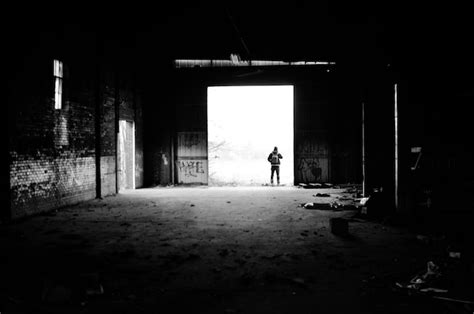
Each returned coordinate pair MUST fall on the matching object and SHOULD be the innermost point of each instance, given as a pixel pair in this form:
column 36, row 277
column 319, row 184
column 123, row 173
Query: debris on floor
column 364, row 200
column 321, row 206
column 315, row 185
column 448, row 280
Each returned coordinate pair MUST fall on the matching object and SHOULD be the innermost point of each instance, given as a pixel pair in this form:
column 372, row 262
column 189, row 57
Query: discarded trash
column 339, row 226
column 423, row 239
column 315, row 185
column 320, row 206
column 455, row 254
column 336, row 205
column 364, row 200
column 425, row 281
column 453, row 300
column 299, row 281
column 437, row 290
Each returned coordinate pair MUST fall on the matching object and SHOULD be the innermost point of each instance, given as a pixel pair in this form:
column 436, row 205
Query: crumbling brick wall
column 53, row 151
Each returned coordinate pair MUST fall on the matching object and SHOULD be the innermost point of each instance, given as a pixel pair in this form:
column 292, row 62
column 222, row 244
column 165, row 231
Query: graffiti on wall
column 191, row 168
column 309, row 169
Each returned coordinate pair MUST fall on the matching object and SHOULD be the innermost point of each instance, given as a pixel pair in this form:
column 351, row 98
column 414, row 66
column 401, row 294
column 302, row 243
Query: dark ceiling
column 433, row 33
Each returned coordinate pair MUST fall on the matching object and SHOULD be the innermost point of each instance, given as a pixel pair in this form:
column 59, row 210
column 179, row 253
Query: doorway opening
column 126, row 155
column 245, row 123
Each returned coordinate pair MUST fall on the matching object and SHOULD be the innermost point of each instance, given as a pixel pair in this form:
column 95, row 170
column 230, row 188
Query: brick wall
column 53, row 152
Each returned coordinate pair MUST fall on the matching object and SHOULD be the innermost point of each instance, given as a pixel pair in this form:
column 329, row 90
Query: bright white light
column 244, row 124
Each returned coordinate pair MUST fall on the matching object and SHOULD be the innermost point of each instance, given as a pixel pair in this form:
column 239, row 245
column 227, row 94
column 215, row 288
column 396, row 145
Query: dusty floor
column 206, row 250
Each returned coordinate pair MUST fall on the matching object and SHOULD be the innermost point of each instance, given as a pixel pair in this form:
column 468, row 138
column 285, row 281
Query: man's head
column 275, row 149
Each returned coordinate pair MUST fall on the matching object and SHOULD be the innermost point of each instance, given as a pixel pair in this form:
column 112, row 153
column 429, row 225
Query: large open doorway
column 245, row 123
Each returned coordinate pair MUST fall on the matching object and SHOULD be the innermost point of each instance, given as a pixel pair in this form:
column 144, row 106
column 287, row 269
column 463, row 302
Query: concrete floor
column 205, row 250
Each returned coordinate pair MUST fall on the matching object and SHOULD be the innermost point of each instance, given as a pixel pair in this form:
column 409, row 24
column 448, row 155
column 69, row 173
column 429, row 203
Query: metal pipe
column 172, row 160
column 363, row 152
column 396, row 144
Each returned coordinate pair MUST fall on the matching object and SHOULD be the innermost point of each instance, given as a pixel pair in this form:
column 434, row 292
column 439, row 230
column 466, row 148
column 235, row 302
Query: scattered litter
column 321, row 206
column 315, row 185
column 437, row 290
column 424, row 280
column 455, row 254
column 454, row 300
column 336, row 206
column 423, row 239
column 364, row 200
column 299, row 281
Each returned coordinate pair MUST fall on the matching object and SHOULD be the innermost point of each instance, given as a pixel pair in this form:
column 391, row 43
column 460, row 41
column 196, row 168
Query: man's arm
column 280, row 156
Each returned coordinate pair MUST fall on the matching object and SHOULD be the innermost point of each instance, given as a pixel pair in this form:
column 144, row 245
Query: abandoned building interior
column 135, row 176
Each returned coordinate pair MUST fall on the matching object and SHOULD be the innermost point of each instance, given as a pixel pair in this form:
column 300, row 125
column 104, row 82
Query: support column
column 98, row 139
column 396, row 145
column 363, row 152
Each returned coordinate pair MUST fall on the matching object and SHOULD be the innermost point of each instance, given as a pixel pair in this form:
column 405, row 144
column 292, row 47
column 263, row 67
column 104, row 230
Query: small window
column 58, row 84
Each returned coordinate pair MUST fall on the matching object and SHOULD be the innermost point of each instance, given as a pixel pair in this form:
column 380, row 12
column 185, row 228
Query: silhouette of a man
column 274, row 159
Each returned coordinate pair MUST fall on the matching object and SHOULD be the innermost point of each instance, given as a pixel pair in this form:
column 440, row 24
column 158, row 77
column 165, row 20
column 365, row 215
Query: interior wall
column 52, row 153
column 327, row 125
column 191, row 158
column 433, row 116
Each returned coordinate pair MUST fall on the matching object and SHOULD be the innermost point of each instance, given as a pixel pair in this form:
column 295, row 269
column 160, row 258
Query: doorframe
column 119, row 188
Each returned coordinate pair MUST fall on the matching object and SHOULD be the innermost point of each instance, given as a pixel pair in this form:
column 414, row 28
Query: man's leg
column 271, row 177
column 278, row 174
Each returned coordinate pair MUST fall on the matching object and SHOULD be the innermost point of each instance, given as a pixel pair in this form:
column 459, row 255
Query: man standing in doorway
column 274, row 159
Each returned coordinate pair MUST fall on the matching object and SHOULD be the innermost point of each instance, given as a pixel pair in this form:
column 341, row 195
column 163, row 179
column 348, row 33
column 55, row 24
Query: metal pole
column 172, row 160
column 396, row 144
column 363, row 151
